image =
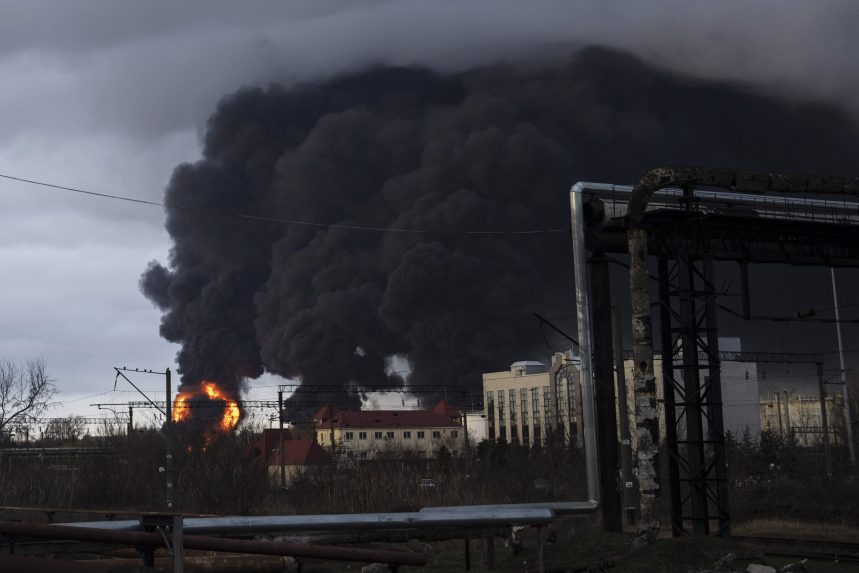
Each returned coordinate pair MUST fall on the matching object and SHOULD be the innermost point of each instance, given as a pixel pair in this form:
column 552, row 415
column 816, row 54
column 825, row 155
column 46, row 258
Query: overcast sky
column 109, row 96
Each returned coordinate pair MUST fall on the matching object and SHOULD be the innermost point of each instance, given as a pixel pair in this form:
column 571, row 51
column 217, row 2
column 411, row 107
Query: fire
column 182, row 407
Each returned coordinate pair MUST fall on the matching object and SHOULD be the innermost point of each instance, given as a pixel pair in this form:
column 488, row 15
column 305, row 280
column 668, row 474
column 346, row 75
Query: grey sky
column 110, row 96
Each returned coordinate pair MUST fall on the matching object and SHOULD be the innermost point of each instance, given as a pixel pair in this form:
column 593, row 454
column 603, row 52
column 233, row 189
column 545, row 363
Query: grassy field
column 579, row 546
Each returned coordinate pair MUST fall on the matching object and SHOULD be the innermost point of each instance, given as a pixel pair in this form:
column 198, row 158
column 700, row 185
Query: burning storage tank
column 206, row 407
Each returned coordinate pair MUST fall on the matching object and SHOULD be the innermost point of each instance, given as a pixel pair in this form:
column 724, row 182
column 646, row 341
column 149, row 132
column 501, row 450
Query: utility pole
column 787, row 416
column 168, row 408
column 603, row 372
column 331, row 409
column 845, row 395
column 169, row 466
column 827, row 459
column 280, row 438
column 778, row 406
column 130, row 423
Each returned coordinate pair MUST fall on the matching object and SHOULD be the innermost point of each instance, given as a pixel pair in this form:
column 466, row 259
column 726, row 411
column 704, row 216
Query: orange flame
column 182, row 409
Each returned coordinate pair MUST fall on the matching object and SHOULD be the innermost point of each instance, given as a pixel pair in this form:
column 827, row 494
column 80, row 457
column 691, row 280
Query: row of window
column 365, row 455
column 389, row 435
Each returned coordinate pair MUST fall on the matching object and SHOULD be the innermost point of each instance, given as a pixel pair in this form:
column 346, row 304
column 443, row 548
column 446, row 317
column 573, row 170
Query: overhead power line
column 252, row 217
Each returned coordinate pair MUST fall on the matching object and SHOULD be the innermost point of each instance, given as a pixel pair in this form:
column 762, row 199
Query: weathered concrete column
column 644, row 384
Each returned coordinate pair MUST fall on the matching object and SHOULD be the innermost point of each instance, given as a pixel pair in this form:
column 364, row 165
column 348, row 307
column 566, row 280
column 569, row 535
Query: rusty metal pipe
column 647, row 434
column 218, row 564
column 145, row 539
column 208, row 564
column 42, row 565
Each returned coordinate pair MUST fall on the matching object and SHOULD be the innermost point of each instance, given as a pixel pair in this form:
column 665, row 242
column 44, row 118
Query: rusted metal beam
column 145, row 539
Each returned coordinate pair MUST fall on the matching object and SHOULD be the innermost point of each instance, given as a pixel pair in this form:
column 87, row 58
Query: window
column 420, row 435
column 407, row 435
column 363, row 455
column 436, row 435
column 377, row 435
column 389, row 435
column 454, row 434
column 349, row 435
column 362, row 435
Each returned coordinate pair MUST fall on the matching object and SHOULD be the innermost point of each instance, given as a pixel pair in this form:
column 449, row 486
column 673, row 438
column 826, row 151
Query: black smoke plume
column 492, row 149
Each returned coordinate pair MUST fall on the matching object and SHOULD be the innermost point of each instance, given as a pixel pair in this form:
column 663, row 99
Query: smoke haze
column 492, row 149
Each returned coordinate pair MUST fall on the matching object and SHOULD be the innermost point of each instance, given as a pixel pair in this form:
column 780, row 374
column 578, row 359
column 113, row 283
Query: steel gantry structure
column 688, row 218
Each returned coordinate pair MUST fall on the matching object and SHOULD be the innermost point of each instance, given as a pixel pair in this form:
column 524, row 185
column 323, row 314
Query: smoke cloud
column 493, row 149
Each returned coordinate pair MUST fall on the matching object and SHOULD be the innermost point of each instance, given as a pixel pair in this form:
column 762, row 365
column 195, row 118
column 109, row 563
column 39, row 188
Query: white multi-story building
column 530, row 403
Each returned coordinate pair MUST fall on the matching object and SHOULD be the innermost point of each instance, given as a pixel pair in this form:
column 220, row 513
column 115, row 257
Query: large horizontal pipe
column 477, row 516
column 739, row 182
column 42, row 565
column 147, row 539
column 231, row 564
column 557, row 507
column 603, row 202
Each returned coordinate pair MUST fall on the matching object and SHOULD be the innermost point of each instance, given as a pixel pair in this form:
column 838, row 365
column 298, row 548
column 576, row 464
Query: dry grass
column 795, row 529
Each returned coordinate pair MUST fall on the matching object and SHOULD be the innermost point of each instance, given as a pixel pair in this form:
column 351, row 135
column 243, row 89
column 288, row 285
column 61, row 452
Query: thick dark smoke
column 493, row 149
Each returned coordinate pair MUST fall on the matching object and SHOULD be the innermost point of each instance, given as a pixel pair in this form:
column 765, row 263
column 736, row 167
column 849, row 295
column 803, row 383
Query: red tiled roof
column 299, row 453
column 443, row 415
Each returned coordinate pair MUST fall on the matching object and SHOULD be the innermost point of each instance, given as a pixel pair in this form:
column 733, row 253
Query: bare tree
column 25, row 391
column 68, row 429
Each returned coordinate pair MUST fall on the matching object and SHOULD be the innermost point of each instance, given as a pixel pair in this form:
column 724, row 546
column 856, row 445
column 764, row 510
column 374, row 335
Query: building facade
column 531, row 404
column 798, row 417
column 370, row 434
column 739, row 388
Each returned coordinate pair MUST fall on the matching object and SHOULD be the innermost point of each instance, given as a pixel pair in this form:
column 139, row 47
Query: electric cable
column 252, row 217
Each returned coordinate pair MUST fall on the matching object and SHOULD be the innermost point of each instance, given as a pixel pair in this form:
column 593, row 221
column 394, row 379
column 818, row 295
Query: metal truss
column 692, row 395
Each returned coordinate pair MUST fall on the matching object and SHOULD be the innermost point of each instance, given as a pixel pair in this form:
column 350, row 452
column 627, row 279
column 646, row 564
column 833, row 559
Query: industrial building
column 798, row 417
column 529, row 402
column 368, row 434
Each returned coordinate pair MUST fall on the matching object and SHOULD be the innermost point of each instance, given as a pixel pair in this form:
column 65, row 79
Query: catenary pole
column 848, row 422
